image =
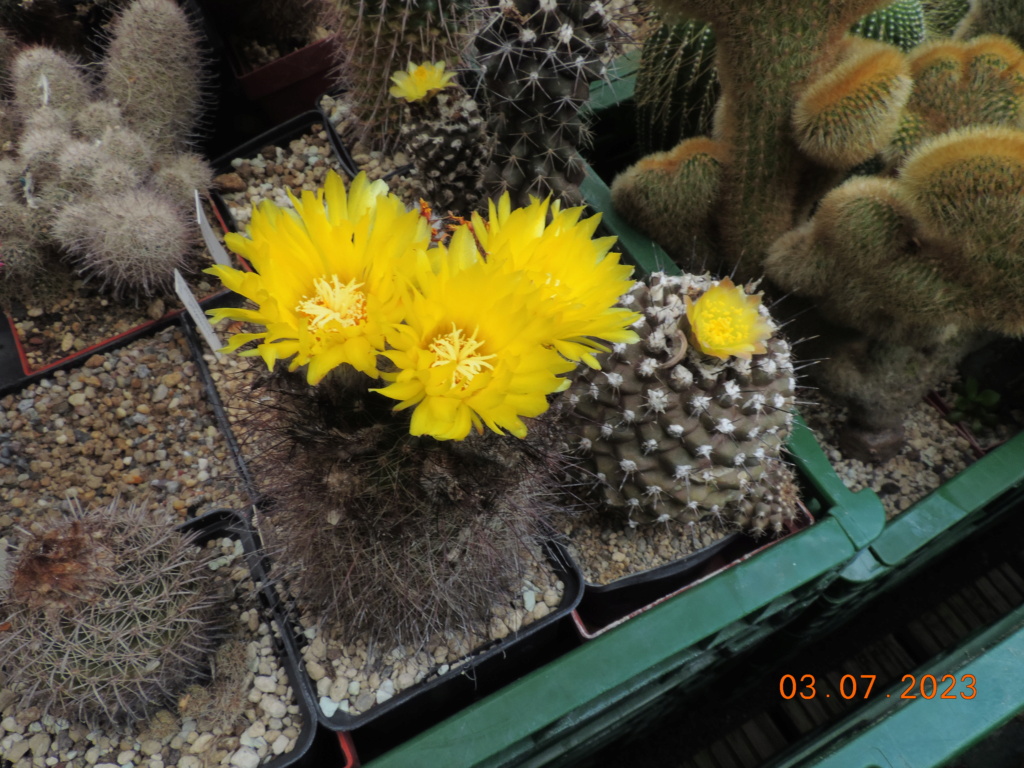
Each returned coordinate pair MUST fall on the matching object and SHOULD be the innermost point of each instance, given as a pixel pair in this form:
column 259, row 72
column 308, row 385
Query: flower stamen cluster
column 726, row 321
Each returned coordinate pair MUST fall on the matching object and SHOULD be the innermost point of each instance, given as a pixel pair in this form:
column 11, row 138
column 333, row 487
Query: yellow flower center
column 456, row 347
column 421, row 74
column 725, row 321
column 334, row 302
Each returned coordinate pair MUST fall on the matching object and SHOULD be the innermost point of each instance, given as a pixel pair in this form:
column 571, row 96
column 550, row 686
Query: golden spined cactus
column 847, row 116
column 917, row 265
column 959, row 84
column 671, row 196
column 793, row 44
column 689, row 423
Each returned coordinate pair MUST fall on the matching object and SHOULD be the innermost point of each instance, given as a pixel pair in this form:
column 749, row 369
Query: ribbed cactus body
column 672, row 433
column 379, row 37
column 901, row 23
column 539, row 59
column 676, row 85
column 112, row 615
column 445, row 137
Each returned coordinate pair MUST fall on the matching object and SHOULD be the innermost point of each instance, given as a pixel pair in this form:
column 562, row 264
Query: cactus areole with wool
column 472, row 332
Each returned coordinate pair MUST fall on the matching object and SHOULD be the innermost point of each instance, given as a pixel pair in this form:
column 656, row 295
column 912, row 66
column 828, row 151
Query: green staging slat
column 927, row 733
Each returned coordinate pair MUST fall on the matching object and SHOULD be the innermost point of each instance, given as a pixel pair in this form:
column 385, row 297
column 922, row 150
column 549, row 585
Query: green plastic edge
column 927, row 733
column 531, row 713
column 618, row 84
column 958, row 497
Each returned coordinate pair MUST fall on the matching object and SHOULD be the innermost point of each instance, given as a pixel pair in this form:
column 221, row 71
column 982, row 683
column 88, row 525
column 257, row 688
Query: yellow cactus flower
column 325, row 282
column 473, row 350
column 726, row 321
column 581, row 280
column 420, row 81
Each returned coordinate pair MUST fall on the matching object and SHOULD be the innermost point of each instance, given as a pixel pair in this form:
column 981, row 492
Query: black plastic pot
column 489, row 668
column 225, row 522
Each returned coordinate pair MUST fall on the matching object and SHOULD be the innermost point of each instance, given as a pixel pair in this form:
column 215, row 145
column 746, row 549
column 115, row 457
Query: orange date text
column 861, row 687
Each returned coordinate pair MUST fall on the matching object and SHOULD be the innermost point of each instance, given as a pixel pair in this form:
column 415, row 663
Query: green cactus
column 765, row 184
column 539, row 59
column 111, row 614
column 676, row 84
column 941, row 17
column 376, row 38
column 672, row 433
column 918, row 264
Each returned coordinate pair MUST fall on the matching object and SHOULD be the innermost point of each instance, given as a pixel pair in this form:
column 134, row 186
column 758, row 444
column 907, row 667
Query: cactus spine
column 672, row 433
column 431, row 531
column 112, row 615
column 539, row 59
column 379, row 37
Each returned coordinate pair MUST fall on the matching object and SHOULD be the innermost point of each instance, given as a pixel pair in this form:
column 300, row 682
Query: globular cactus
column 941, row 17
column 444, row 135
column 109, row 615
column 690, row 423
column 44, row 77
column 432, row 531
column 130, row 241
column 153, row 72
column 378, row 37
column 539, row 59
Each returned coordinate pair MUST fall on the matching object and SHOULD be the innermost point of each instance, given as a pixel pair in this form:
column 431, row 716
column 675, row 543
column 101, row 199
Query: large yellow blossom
column 324, row 281
column 579, row 276
column 473, row 350
column 726, row 321
column 420, row 80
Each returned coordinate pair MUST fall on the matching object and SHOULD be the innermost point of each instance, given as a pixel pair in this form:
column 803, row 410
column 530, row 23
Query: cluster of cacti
column 907, row 265
column 677, row 83
column 768, row 179
column 670, row 431
column 101, row 173
column 109, row 616
column 376, row 38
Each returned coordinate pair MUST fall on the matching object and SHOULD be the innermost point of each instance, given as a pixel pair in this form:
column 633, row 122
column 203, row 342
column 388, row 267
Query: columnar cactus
column 690, row 422
column 444, row 135
column 539, row 58
column 379, row 37
column 764, row 185
column 110, row 615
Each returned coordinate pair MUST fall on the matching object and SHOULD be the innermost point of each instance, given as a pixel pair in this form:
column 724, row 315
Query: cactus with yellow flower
column 690, row 424
column 444, row 135
column 405, row 445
